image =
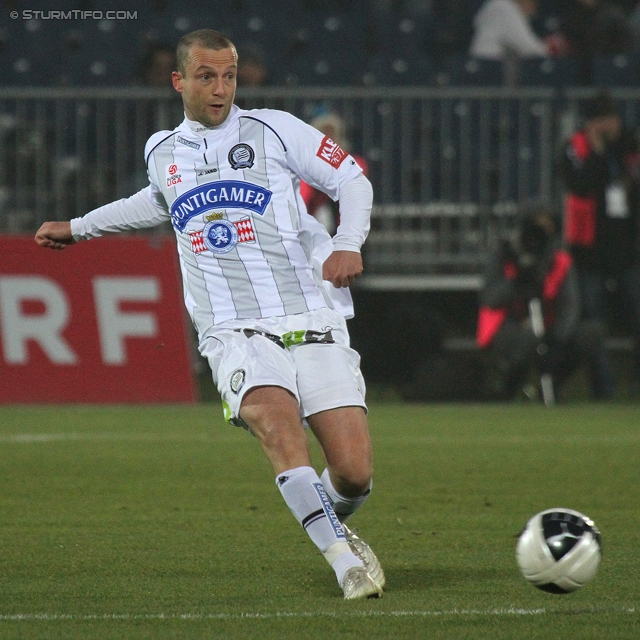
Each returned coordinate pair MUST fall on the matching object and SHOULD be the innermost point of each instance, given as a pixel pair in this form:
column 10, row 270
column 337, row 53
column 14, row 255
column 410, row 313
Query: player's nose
column 219, row 87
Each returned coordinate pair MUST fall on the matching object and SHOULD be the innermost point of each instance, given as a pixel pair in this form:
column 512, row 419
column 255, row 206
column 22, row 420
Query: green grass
column 163, row 522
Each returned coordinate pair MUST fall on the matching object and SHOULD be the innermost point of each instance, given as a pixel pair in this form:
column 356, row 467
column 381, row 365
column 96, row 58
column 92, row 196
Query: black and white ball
column 559, row 550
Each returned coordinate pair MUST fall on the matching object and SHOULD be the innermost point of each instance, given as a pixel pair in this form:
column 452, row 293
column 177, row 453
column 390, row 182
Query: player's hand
column 341, row 268
column 54, row 235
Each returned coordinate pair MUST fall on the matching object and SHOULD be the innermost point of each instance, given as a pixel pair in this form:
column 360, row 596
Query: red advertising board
column 100, row 321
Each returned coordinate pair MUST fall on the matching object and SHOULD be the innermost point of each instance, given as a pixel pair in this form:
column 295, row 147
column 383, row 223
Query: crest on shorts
column 241, row 156
column 237, row 380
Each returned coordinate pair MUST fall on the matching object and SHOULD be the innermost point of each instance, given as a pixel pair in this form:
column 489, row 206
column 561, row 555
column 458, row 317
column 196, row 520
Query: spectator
column 502, row 30
column 252, row 71
column 452, row 28
column 532, row 267
column 156, row 65
column 319, row 205
column 596, row 27
column 600, row 167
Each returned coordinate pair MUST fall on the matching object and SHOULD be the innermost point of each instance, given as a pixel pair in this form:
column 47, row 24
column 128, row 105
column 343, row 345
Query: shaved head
column 205, row 38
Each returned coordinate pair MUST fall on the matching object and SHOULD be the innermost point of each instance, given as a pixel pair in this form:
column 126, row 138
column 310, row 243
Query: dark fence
column 450, row 166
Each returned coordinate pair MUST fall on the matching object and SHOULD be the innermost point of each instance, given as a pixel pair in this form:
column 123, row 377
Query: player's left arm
column 344, row 265
column 324, row 165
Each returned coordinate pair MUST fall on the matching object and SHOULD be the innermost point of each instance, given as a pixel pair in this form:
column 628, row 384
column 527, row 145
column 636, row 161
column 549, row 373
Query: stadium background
column 455, row 145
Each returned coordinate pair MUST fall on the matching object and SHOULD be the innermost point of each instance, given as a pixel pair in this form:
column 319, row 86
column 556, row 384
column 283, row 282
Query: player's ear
column 176, row 79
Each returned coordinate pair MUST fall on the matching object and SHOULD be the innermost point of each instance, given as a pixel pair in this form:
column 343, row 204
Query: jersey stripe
column 275, row 273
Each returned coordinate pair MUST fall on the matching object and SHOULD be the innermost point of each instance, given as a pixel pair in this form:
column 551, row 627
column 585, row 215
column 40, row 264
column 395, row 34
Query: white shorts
column 306, row 353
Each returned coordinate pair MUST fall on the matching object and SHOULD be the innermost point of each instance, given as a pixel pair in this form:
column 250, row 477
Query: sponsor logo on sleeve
column 241, row 156
column 226, row 194
column 187, row 143
column 331, row 152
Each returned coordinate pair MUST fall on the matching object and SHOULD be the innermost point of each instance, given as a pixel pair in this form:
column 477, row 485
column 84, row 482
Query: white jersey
column 247, row 246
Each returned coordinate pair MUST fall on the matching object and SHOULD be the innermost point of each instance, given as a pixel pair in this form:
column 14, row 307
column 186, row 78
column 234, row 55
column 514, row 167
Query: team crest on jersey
column 331, row 152
column 220, row 237
column 241, row 156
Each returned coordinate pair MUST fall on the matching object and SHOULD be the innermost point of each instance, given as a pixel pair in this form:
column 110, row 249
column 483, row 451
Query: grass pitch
column 163, row 522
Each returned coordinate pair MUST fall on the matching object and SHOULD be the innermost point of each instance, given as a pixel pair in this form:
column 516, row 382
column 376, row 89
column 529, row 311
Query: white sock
column 343, row 507
column 306, row 497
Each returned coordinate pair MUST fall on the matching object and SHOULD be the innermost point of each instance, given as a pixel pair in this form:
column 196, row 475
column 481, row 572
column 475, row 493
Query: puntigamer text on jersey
column 224, row 193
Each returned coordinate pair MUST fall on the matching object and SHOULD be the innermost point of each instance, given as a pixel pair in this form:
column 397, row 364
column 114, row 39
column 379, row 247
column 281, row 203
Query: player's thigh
column 329, row 377
column 332, row 399
column 240, row 363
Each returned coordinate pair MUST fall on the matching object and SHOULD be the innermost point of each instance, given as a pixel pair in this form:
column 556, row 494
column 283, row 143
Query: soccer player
column 266, row 286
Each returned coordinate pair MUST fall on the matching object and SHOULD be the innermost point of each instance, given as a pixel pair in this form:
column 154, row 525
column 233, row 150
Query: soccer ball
column 559, row 550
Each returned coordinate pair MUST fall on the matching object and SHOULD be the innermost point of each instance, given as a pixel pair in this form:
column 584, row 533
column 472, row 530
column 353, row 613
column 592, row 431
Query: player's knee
column 282, row 437
column 354, row 481
column 272, row 415
column 263, row 407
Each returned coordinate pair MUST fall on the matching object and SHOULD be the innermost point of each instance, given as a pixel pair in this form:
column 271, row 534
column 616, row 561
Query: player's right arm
column 54, row 235
column 145, row 209
column 142, row 210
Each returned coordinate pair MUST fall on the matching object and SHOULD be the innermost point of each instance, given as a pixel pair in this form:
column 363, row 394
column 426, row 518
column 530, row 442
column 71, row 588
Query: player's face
column 208, row 85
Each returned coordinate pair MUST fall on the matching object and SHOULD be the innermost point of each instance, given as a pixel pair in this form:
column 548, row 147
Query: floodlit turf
column 163, row 522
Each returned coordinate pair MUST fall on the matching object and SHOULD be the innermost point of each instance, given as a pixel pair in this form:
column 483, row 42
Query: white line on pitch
column 509, row 440
column 266, row 615
column 29, row 438
column 18, row 617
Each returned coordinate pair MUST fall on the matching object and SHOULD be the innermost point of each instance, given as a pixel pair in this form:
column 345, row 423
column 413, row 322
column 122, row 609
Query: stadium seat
column 616, row 71
column 327, row 50
column 550, row 72
column 104, row 53
column 396, row 70
column 463, row 71
column 327, row 67
column 402, row 33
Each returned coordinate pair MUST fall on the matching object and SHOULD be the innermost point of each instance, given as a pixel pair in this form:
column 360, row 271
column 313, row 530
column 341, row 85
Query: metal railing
column 450, row 166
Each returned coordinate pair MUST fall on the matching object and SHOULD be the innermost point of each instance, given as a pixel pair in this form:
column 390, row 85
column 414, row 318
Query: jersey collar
column 202, row 130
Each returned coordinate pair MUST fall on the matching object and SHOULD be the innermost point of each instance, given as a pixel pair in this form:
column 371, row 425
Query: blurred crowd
column 344, row 41
column 551, row 290
column 578, row 264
